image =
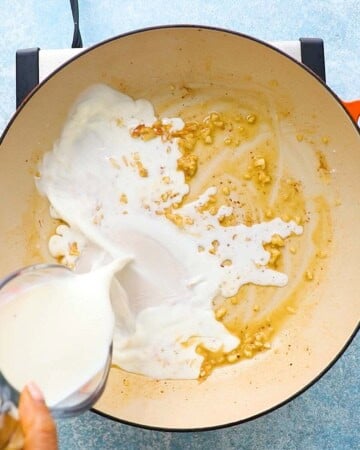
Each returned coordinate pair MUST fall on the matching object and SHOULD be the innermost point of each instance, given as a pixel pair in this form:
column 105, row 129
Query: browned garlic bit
column 188, row 164
column 226, row 263
column 214, row 247
column 277, row 242
column 251, row 343
column 177, row 219
column 143, row 172
column 166, row 180
column 251, row 118
column 258, row 171
column 143, row 132
column 220, row 313
column 73, row 249
column 226, row 190
column 123, row 199
column 309, row 276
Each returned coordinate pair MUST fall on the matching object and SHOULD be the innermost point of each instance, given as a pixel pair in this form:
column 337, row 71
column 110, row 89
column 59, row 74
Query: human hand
column 38, row 426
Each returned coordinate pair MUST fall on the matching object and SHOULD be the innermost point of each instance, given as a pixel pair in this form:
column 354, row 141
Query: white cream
column 60, row 244
column 92, row 179
column 58, row 333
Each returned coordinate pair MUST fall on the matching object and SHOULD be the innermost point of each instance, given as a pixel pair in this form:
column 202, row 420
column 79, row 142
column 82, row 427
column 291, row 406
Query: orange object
column 353, row 109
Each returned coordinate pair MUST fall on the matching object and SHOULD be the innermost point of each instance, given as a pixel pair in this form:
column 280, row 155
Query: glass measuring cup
column 81, row 400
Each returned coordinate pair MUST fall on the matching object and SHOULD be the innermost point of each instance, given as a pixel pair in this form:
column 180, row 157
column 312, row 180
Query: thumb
column 37, row 424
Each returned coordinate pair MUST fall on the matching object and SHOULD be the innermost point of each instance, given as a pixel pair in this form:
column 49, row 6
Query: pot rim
column 241, row 421
column 170, row 26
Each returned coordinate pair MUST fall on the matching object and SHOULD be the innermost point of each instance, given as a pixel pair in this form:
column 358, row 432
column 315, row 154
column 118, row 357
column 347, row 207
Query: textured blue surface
column 327, row 415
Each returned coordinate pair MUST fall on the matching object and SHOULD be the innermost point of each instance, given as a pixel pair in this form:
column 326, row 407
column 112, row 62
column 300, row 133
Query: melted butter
column 252, row 178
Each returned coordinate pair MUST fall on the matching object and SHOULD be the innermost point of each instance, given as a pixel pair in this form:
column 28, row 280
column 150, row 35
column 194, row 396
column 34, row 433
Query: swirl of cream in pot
column 112, row 190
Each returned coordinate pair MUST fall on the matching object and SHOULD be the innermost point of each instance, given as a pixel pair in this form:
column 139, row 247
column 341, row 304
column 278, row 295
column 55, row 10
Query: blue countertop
column 327, row 415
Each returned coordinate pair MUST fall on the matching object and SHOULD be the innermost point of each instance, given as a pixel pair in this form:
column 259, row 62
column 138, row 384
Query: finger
column 37, row 424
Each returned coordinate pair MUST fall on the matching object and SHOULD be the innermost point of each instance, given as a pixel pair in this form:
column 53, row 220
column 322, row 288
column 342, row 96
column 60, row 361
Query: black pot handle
column 77, row 41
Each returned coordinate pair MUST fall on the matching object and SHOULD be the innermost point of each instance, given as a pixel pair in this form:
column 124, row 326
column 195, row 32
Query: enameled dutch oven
column 144, row 64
